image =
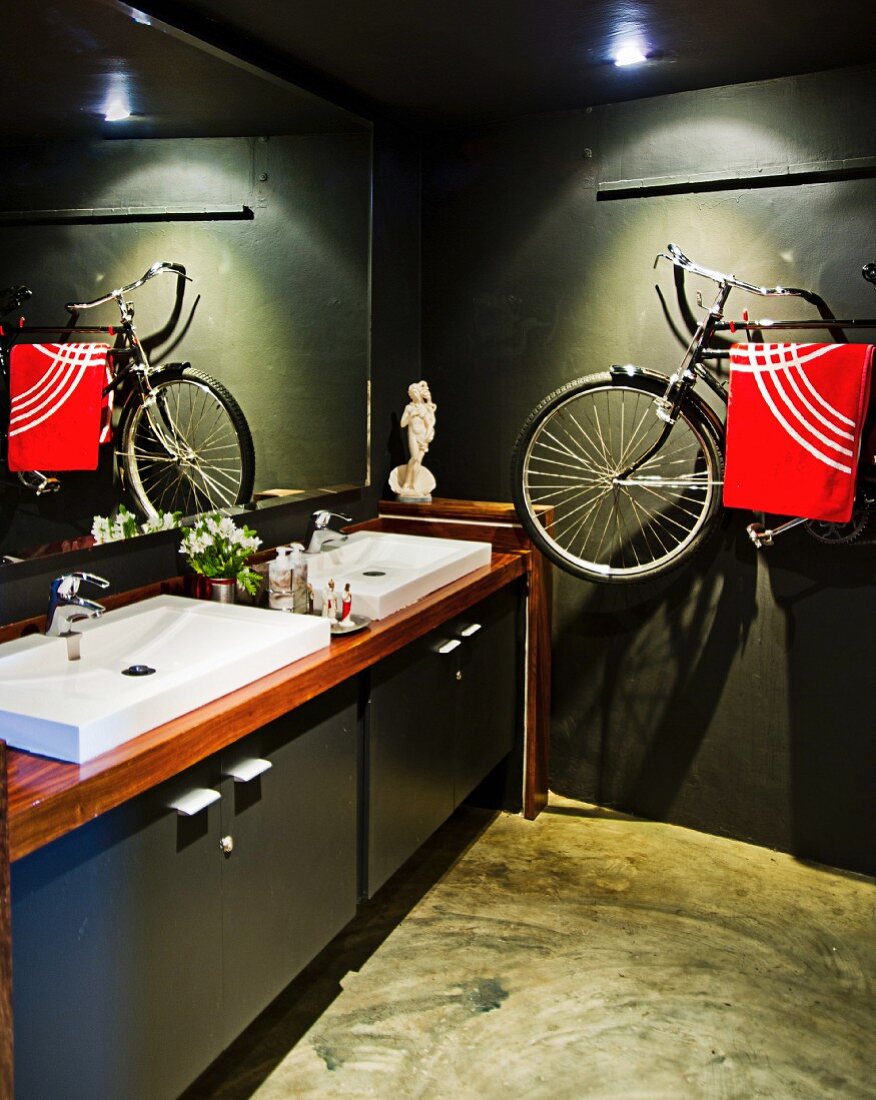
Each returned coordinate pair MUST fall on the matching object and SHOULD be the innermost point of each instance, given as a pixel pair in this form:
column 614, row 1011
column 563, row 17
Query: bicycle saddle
column 13, row 297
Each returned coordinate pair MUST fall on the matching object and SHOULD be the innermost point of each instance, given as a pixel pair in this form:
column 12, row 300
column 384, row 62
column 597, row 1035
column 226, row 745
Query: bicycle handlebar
column 677, row 257
column 116, row 295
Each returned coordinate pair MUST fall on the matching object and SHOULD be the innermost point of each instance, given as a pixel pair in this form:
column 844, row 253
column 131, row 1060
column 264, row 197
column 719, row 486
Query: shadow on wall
column 821, row 601
column 641, row 669
column 732, row 697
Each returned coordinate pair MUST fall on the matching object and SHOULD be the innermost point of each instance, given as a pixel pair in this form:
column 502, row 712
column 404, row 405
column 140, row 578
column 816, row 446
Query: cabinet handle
column 449, row 647
column 467, row 631
column 195, row 801
column 245, row 770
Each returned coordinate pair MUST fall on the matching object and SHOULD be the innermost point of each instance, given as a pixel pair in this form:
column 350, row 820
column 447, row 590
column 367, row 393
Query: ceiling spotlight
column 116, row 111
column 629, row 55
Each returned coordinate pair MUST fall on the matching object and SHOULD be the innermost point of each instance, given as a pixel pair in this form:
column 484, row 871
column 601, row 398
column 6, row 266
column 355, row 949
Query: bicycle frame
column 140, row 369
column 692, row 366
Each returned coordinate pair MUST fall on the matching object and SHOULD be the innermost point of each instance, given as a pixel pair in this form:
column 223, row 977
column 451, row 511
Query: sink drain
column 373, row 573
column 137, row 670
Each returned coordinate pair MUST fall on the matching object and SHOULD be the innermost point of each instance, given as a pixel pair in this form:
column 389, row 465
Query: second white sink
column 387, row 572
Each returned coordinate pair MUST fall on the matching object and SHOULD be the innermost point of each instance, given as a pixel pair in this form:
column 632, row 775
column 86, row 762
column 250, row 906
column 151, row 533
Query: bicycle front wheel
column 609, row 524
column 201, row 459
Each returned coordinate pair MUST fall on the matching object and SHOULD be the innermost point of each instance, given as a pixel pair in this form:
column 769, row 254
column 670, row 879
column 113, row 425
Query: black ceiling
column 444, row 61
column 440, row 62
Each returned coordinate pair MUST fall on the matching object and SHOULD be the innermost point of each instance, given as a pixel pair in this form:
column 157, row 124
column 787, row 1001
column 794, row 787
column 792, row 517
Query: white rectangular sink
column 75, row 710
column 387, row 572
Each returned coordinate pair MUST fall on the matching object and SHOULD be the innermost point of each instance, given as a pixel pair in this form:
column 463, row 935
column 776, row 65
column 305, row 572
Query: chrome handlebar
column 116, row 295
column 676, row 256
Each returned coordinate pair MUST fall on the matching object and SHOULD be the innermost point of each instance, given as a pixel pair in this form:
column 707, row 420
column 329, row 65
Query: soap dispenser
column 300, row 587
column 280, row 580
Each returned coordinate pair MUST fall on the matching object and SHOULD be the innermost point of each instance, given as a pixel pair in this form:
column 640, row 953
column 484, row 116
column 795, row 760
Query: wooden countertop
column 48, row 798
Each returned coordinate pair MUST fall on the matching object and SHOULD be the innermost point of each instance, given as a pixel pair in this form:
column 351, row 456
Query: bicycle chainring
column 840, row 534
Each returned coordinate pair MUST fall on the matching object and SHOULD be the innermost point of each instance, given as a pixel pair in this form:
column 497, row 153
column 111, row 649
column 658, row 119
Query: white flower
column 100, row 529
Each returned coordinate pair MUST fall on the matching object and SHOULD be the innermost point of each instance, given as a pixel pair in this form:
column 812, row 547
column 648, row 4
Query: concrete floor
column 581, row 955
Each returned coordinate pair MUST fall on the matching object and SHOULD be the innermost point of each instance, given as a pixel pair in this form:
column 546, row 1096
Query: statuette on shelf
column 346, row 603
column 413, row 481
column 330, row 601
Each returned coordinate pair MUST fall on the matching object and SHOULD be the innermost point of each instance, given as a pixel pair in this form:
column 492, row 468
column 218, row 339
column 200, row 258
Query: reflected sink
column 387, row 572
column 74, row 710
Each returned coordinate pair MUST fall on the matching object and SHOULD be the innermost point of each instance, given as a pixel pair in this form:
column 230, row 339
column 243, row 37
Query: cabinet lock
column 227, row 845
column 459, row 674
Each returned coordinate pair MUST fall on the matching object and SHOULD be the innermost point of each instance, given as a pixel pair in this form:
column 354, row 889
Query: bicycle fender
column 713, row 422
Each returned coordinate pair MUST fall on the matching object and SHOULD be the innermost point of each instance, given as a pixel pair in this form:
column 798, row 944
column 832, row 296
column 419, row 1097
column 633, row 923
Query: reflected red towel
column 794, row 423
column 58, row 413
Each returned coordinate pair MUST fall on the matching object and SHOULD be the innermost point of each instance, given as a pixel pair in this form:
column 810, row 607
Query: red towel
column 794, row 424
column 58, row 412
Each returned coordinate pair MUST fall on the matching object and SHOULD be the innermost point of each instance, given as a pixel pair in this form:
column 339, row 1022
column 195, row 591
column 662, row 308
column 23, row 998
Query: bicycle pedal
column 759, row 535
column 39, row 483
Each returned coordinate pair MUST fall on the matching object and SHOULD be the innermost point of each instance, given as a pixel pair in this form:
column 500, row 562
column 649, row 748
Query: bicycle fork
column 667, row 408
column 142, row 369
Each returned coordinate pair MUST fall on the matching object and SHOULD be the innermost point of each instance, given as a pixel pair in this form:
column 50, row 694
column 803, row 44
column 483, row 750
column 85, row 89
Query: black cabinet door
column 410, row 752
column 488, row 703
column 444, row 711
column 117, row 952
column 289, row 879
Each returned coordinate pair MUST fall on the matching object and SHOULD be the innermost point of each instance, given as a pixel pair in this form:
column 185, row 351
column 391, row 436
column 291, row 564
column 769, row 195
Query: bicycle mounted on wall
column 631, row 462
column 183, row 443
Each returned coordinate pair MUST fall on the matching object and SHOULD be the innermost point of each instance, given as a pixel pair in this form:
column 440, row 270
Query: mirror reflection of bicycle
column 182, row 443
column 631, row 462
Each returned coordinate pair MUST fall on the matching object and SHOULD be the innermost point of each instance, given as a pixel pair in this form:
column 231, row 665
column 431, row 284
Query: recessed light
column 629, row 55
column 116, row 111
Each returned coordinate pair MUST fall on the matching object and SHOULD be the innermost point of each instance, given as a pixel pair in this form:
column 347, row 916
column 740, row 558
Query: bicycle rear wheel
column 570, row 456
column 209, row 462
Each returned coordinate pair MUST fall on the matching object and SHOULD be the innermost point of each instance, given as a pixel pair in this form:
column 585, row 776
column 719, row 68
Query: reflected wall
column 260, row 188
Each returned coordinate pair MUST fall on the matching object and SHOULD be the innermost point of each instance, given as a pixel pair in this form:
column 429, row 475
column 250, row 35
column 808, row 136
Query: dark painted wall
column 736, row 697
column 277, row 311
column 395, row 335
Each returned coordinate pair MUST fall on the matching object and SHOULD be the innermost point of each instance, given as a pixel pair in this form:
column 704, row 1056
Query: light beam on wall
column 117, row 105
column 629, row 55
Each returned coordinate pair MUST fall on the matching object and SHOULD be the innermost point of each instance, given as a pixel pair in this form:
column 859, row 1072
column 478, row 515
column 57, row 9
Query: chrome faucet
column 319, row 531
column 66, row 606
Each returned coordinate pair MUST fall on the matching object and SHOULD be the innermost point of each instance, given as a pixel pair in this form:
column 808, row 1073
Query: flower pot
column 223, row 589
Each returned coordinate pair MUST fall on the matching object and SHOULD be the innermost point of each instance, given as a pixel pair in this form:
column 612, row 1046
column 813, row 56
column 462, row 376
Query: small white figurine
column 330, row 601
column 413, row 481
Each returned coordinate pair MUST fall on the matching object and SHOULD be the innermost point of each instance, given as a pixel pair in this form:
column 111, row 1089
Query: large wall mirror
column 262, row 191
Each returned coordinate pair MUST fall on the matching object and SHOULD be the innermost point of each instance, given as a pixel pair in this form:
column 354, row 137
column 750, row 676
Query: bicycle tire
column 214, row 463
column 568, row 455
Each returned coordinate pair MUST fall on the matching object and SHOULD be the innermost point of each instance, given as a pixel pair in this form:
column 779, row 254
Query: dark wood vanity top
column 47, row 798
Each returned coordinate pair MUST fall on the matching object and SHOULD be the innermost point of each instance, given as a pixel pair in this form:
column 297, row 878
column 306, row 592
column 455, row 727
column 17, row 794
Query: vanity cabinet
column 146, row 940
column 443, row 712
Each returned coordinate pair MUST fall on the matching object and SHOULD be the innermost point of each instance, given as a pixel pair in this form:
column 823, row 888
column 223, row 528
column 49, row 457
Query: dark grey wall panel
column 734, row 698
column 804, row 123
